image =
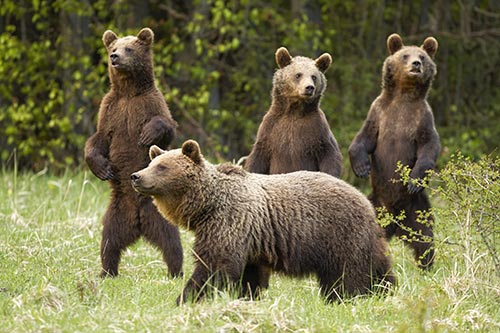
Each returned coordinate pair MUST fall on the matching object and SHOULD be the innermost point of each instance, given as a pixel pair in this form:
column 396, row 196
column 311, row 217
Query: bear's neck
column 407, row 89
column 286, row 105
column 131, row 84
column 196, row 206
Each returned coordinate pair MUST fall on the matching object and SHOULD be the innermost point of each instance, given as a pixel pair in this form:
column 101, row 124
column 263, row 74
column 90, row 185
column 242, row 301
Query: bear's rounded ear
column 394, row 43
column 146, row 35
column 323, row 62
column 191, row 149
column 283, row 57
column 109, row 37
column 430, row 46
column 155, row 151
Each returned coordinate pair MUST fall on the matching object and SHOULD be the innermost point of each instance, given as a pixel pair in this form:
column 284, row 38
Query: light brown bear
column 247, row 225
column 400, row 127
column 133, row 116
column 294, row 134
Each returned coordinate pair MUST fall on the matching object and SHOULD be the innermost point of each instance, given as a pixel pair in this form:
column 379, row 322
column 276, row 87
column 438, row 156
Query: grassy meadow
column 50, row 229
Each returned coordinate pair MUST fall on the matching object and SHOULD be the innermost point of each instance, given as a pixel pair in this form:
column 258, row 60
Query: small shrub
column 470, row 196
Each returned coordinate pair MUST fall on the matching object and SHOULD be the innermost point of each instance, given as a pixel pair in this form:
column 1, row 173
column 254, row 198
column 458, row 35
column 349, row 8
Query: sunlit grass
column 49, row 266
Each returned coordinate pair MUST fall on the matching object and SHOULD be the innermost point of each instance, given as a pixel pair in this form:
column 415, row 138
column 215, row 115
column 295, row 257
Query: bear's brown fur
column 294, row 134
column 133, row 115
column 400, row 127
column 247, row 225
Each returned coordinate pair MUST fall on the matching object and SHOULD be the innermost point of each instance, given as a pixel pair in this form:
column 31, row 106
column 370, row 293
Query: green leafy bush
column 468, row 193
column 466, row 199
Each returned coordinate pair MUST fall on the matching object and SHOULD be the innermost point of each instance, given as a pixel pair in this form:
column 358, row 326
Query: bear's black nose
column 113, row 56
column 309, row 89
column 416, row 64
column 135, row 177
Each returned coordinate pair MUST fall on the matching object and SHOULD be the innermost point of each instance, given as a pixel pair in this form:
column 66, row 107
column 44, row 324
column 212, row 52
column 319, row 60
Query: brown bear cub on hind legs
column 132, row 116
column 294, row 134
column 400, row 127
column 247, row 224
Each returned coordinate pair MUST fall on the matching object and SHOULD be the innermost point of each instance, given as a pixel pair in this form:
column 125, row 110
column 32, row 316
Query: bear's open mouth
column 415, row 71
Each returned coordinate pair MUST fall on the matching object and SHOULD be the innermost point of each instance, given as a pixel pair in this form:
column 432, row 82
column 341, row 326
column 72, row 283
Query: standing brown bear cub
column 400, row 128
column 248, row 224
column 294, row 134
column 133, row 116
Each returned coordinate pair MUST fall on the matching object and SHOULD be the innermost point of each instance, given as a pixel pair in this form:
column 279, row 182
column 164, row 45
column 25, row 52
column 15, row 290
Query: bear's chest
column 294, row 143
column 295, row 134
column 398, row 124
column 128, row 116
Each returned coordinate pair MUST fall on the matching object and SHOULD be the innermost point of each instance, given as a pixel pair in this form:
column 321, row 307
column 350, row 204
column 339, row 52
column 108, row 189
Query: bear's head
column 300, row 78
column 174, row 178
column 129, row 55
column 169, row 172
column 409, row 66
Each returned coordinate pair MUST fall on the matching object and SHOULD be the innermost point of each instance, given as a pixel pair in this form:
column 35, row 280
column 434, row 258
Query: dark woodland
column 214, row 62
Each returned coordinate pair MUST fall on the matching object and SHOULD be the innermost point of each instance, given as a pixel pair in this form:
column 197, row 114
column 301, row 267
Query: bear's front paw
column 146, row 139
column 414, row 188
column 105, row 172
column 361, row 170
column 181, row 299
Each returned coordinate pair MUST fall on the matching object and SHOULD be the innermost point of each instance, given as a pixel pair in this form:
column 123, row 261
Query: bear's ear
column 155, row 151
column 191, row 149
column 430, row 46
column 109, row 37
column 394, row 43
column 146, row 35
column 323, row 62
column 283, row 57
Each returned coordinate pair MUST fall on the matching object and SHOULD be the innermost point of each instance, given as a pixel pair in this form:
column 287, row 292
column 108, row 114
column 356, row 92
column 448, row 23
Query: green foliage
column 471, row 191
column 467, row 194
column 41, row 76
column 214, row 61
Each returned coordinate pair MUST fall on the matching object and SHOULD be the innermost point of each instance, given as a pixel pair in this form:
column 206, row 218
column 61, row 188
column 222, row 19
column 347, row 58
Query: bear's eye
column 161, row 168
column 128, row 49
column 422, row 58
column 405, row 57
column 314, row 78
column 298, row 75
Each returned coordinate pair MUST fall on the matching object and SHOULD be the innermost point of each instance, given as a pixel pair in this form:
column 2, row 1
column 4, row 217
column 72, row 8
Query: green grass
column 49, row 266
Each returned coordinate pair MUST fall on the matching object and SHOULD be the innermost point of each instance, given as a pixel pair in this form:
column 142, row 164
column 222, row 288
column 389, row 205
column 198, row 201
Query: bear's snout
column 309, row 90
column 114, row 58
column 135, row 177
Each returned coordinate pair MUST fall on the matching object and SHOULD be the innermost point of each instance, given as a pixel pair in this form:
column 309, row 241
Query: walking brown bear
column 247, row 224
column 400, row 127
column 133, row 116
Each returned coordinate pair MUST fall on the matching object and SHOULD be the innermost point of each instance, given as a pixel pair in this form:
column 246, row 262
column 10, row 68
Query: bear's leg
column 119, row 231
column 208, row 278
column 417, row 229
column 255, row 278
column 381, row 275
column 331, row 286
column 162, row 234
column 390, row 229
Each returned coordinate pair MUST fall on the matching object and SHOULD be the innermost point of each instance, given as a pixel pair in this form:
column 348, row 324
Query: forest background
column 214, row 62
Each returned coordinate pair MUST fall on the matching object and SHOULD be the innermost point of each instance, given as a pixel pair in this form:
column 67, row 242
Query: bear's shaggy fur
column 400, row 127
column 294, row 134
column 247, row 225
column 133, row 115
